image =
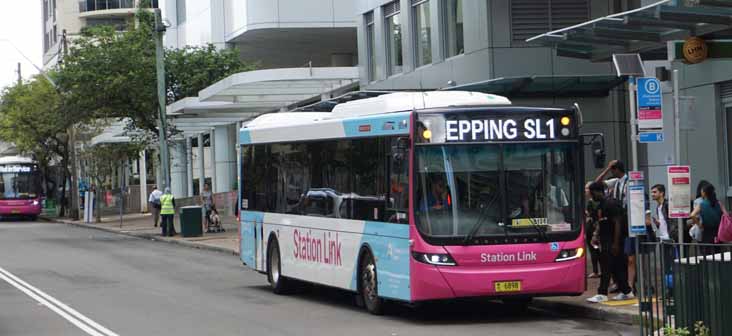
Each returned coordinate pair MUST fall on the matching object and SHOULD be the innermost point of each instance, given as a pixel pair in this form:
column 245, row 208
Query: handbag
column 696, row 233
column 724, row 233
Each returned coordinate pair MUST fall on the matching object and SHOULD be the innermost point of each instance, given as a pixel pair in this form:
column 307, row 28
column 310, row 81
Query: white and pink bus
column 20, row 187
column 416, row 196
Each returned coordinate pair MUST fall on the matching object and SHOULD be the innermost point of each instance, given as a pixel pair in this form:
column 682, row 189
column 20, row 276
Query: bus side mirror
column 598, row 153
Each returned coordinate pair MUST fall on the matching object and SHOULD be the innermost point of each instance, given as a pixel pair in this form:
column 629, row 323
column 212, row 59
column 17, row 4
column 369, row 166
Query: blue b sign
column 650, row 101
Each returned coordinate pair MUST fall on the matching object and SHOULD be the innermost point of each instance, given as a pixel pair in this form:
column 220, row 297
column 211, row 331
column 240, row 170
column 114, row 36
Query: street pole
column 677, row 145
column 162, row 123
column 20, row 75
column 633, row 124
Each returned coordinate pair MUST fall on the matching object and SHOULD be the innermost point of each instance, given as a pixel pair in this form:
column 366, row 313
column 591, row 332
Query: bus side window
column 398, row 202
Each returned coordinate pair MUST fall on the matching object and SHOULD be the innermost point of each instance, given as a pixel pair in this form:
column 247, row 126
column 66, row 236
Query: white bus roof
column 383, row 104
column 409, row 101
column 15, row 160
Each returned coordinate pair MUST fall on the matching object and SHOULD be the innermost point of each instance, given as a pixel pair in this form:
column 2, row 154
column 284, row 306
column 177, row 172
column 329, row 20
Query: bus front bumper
column 447, row 282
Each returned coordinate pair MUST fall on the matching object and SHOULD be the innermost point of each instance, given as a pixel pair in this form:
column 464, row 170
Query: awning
column 243, row 96
column 644, row 30
column 114, row 133
column 545, row 86
column 264, row 90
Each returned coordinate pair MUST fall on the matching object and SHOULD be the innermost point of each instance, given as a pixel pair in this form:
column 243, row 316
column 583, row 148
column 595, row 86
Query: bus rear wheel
column 369, row 288
column 280, row 285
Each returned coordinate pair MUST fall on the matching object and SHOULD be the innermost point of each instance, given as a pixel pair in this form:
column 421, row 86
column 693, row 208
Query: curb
column 579, row 310
column 146, row 236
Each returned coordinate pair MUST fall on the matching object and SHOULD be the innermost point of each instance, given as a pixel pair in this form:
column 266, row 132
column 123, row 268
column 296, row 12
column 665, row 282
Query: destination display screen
column 447, row 128
column 15, row 169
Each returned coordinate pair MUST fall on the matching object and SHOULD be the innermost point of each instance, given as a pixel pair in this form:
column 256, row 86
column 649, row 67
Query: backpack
column 724, row 233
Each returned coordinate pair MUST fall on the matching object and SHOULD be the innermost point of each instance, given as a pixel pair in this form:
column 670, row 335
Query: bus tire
column 280, row 285
column 368, row 285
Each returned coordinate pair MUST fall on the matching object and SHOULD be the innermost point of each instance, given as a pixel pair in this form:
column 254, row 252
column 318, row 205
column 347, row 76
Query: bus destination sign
column 15, row 169
column 504, row 129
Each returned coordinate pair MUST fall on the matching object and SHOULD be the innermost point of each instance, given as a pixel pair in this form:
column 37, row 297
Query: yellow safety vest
column 166, row 205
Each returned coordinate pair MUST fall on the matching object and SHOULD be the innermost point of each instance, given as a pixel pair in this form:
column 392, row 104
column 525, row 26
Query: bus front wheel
column 369, row 285
column 279, row 284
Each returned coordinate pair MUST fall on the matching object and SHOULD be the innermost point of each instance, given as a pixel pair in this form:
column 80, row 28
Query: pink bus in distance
column 20, row 187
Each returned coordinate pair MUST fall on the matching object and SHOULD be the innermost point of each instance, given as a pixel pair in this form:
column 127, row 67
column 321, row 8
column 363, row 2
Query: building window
column 423, row 31
column 371, row 47
column 454, row 41
column 393, row 38
column 533, row 17
column 180, row 11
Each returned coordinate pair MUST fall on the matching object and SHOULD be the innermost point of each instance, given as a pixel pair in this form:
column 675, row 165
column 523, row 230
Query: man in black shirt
column 612, row 232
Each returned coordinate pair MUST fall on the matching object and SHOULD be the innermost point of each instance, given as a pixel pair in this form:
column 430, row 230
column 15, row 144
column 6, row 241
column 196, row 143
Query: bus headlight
column 570, row 254
column 35, row 202
column 439, row 259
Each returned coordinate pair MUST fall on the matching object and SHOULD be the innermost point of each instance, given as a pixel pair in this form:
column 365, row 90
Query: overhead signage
column 679, row 191
column 650, row 137
column 461, row 130
column 695, row 50
column 15, row 169
column 636, row 210
column 650, row 104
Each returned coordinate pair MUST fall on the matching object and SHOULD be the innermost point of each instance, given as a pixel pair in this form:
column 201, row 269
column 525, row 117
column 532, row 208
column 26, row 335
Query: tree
column 34, row 120
column 192, row 69
column 112, row 74
column 102, row 160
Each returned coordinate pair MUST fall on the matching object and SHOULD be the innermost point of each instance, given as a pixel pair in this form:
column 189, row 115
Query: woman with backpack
column 708, row 214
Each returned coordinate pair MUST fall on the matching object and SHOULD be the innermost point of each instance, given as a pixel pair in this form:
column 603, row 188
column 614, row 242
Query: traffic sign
column 650, row 137
column 650, row 102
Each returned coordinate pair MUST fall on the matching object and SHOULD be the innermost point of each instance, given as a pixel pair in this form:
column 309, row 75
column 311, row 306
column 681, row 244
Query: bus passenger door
column 251, row 231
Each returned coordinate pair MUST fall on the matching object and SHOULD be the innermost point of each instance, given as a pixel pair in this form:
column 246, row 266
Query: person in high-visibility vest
column 167, row 212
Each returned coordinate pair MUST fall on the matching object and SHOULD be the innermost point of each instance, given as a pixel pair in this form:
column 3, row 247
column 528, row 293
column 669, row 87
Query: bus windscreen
column 18, row 182
column 507, row 190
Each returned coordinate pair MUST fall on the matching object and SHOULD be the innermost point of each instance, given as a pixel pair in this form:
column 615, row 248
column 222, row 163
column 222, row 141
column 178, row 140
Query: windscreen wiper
column 542, row 233
column 481, row 219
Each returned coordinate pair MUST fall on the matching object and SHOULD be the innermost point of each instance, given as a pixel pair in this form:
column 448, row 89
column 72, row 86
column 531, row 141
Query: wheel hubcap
column 369, row 282
column 275, row 266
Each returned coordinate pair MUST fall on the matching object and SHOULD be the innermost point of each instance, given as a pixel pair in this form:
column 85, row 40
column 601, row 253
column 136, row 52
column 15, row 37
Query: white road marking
column 79, row 320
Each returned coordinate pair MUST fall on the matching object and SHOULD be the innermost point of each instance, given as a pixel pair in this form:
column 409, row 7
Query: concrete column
column 189, row 166
column 212, row 150
column 179, row 186
column 223, row 158
column 143, row 181
column 233, row 150
column 201, row 165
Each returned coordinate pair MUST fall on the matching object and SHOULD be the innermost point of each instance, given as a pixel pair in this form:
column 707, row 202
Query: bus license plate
column 507, row 286
column 14, row 211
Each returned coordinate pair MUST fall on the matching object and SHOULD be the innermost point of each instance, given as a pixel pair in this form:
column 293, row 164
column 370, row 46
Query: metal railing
column 677, row 292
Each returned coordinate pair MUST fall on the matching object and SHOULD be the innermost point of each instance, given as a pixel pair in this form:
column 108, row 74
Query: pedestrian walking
column 207, row 203
column 590, row 232
column 612, row 232
column 154, row 201
column 710, row 212
column 659, row 217
column 167, row 211
column 695, row 231
column 617, row 188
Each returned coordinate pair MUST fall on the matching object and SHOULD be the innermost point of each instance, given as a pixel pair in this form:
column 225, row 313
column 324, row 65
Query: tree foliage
column 191, row 69
column 108, row 73
column 33, row 118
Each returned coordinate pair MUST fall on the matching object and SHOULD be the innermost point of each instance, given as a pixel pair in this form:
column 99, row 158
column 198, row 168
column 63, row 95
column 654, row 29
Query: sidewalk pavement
column 141, row 225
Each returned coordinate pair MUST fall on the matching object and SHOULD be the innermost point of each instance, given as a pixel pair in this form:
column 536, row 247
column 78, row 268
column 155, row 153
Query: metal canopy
column 545, row 86
column 644, row 30
column 114, row 133
column 272, row 89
